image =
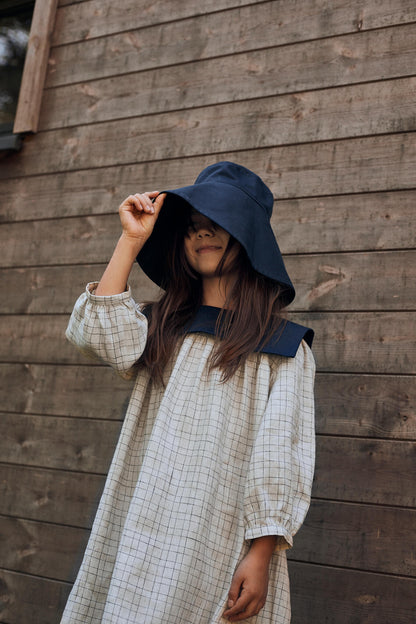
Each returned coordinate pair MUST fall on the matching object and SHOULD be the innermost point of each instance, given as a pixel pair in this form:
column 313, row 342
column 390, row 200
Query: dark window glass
column 15, row 20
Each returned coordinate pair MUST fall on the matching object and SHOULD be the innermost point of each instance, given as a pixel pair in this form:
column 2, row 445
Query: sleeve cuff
column 284, row 540
column 106, row 299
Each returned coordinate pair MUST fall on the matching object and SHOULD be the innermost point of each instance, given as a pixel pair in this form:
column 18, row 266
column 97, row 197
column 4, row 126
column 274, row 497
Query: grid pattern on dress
column 200, row 469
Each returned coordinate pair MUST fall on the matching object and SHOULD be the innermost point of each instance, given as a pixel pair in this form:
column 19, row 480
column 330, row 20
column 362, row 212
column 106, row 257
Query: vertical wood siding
column 319, row 99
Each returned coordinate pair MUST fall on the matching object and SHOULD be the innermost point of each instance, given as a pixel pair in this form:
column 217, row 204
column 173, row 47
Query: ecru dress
column 201, row 468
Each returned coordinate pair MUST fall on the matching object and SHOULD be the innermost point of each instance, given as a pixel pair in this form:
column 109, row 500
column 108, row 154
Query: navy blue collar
column 285, row 341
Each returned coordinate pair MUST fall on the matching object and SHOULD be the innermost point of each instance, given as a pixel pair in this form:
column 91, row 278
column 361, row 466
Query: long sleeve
column 109, row 328
column 279, row 481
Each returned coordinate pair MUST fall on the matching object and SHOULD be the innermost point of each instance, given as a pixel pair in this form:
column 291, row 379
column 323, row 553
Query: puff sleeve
column 279, row 480
column 110, row 329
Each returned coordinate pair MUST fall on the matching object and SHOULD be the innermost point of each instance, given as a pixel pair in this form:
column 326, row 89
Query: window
column 15, row 21
column 25, row 30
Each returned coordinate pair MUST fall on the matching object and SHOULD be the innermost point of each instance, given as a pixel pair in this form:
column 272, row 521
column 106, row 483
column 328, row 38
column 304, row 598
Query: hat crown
column 230, row 173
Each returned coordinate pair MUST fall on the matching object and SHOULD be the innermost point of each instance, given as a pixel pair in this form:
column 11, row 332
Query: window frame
column 27, row 115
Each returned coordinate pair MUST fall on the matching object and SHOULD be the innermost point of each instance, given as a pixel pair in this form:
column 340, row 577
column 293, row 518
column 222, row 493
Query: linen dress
column 201, row 468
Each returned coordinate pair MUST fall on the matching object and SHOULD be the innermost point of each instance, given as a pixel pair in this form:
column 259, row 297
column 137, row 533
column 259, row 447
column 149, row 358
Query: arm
column 106, row 324
column 279, row 480
column 248, row 591
column 138, row 216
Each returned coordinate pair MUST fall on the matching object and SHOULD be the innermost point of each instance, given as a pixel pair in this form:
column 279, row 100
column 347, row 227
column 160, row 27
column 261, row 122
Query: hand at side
column 248, row 591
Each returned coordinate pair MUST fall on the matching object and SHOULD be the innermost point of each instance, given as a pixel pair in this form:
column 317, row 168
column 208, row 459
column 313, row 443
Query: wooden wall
column 318, row 98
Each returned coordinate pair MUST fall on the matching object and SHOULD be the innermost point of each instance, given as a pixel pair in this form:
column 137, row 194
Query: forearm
column 115, row 277
column 263, row 547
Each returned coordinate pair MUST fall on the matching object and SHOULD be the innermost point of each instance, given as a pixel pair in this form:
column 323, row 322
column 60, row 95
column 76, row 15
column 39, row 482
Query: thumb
column 158, row 203
column 234, row 592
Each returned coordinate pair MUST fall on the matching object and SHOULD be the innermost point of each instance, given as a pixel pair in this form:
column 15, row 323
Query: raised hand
column 138, row 214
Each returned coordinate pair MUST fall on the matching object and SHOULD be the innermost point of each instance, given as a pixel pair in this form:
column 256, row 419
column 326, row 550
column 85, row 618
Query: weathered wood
column 105, row 17
column 376, row 342
column 41, row 549
column 310, row 116
column 203, row 37
column 49, row 495
column 340, row 534
column 368, row 537
column 73, row 391
column 275, row 71
column 291, row 21
column 323, row 282
column 327, row 594
column 365, row 470
column 366, row 405
column 25, row 599
column 84, row 445
column 333, row 167
column 36, row 64
column 377, row 406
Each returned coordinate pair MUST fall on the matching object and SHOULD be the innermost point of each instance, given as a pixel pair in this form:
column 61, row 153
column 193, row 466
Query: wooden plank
column 203, row 37
column 36, row 64
column 376, row 406
column 73, row 391
column 380, row 163
column 41, row 549
column 373, row 342
column 83, row 445
column 365, row 470
column 342, row 112
column 96, row 18
column 340, row 534
column 347, row 469
column 327, row 594
column 367, row 537
column 56, row 496
column 30, row 599
column 307, row 117
column 323, row 281
column 336, row 62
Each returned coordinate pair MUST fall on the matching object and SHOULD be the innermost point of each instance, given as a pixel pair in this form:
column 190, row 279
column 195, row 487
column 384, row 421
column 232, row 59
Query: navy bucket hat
column 238, row 201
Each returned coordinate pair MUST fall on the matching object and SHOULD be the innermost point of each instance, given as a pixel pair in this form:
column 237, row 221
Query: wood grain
column 55, row 496
column 83, row 445
column 334, row 167
column 379, row 406
column 366, row 342
column 56, row 390
column 355, row 110
column 31, row 599
column 36, row 63
column 367, row 537
column 359, row 281
column 41, row 549
column 97, row 18
column 291, row 22
column 328, row 594
column 365, row 470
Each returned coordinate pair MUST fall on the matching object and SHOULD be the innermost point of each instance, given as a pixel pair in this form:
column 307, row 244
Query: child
column 212, row 473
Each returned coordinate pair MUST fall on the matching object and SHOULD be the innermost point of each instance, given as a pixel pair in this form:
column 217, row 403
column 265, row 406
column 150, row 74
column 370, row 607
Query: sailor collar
column 285, row 341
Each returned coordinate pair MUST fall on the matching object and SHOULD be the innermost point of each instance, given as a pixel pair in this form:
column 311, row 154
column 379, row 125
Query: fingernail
column 230, row 603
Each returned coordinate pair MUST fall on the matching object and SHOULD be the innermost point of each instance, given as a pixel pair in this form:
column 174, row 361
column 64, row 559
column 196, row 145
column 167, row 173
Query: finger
column 158, row 202
column 239, row 605
column 235, row 590
column 145, row 202
column 251, row 609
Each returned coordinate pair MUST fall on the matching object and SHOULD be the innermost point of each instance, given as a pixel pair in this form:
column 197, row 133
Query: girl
column 212, row 473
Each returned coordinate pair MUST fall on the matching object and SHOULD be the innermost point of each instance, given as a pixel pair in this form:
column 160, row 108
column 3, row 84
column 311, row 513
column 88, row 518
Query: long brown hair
column 250, row 316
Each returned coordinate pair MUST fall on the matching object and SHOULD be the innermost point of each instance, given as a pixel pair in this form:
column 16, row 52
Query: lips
column 208, row 249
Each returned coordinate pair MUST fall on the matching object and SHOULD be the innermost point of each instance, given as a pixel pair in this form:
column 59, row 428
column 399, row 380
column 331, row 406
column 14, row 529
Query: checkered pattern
column 200, row 468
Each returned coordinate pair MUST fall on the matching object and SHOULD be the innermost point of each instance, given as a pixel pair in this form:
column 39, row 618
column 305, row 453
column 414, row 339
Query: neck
column 215, row 291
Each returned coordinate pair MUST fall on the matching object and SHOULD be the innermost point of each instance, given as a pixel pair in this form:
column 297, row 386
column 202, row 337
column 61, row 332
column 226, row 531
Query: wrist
column 263, row 547
column 130, row 244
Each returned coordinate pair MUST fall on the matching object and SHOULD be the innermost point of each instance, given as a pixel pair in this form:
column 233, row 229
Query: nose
column 204, row 230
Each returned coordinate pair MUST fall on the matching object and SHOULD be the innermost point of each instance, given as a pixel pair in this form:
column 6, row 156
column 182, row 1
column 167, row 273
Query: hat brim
column 233, row 210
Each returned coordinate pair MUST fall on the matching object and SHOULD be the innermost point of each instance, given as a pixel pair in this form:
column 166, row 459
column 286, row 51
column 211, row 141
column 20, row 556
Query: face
column 205, row 243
